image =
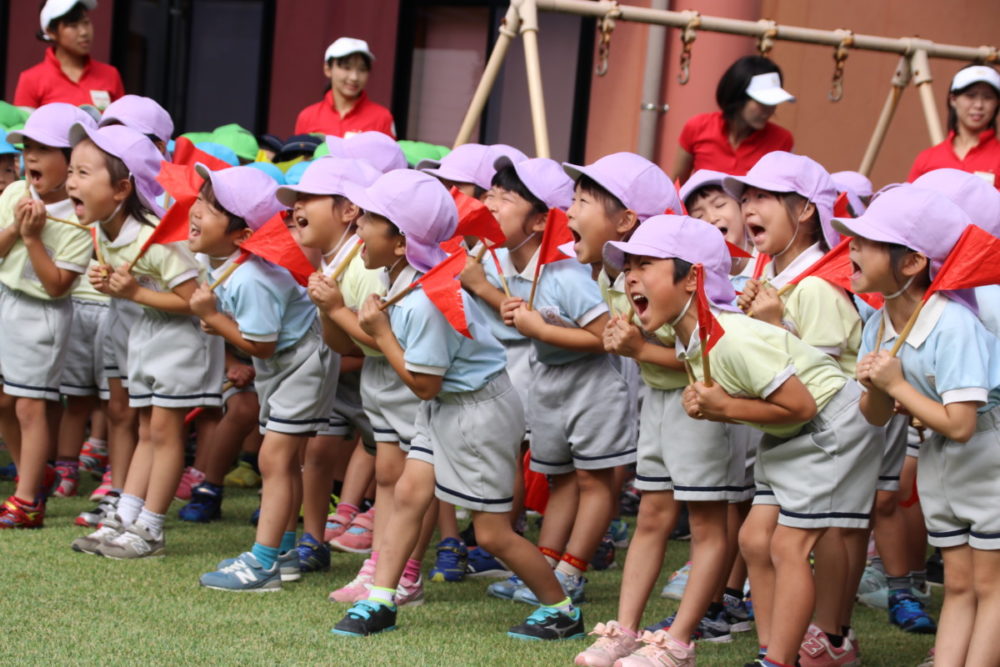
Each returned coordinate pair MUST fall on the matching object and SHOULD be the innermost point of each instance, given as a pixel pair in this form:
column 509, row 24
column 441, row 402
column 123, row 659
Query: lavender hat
column 329, row 176
column 245, row 192
column 686, row 238
column 783, row 172
column 50, row 125
column 544, row 178
column 380, row 150
column 976, row 197
column 635, row 181
column 140, row 113
column 419, row 205
column 700, row 179
column 135, row 150
column 471, row 163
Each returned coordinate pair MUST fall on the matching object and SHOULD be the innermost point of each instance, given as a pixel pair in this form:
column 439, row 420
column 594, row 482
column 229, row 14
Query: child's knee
column 657, row 510
column 411, row 491
column 492, row 535
column 755, row 545
column 886, row 504
column 29, row 410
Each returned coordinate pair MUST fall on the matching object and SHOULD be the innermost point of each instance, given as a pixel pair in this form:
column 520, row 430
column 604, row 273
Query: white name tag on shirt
column 987, row 176
column 100, row 98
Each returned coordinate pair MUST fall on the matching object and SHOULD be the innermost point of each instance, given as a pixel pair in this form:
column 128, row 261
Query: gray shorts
column 390, row 405
column 914, row 439
column 83, row 367
column 172, row 363
column 473, row 441
column 122, row 314
column 348, row 419
column 690, row 457
column 895, row 452
column 743, row 441
column 579, row 416
column 33, row 340
column 520, row 367
column 825, row 475
column 959, row 486
column 297, row 386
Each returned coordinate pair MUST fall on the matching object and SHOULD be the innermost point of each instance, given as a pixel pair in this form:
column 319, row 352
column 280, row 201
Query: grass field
column 79, row 609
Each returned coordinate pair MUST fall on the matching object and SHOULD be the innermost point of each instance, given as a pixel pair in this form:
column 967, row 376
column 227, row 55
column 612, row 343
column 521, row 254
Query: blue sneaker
column 366, row 618
column 289, row 566
column 906, row 611
column 255, row 516
column 8, row 472
column 572, row 585
column 677, row 583
column 604, row 556
column 314, row 556
column 452, row 560
column 618, row 531
column 484, row 564
column 505, row 589
column 547, row 623
column 205, row 504
column 244, row 574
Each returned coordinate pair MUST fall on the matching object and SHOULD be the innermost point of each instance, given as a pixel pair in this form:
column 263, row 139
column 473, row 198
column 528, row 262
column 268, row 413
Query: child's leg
column 738, row 567
column 890, row 533
column 73, row 426
column 708, row 565
column 166, row 436
column 913, row 517
column 390, row 462
column 794, row 590
column 447, row 522
column 560, row 513
column 136, row 478
column 755, row 545
column 10, row 430
column 414, row 493
column 322, row 453
column 359, row 475
column 239, row 422
column 984, row 648
column 856, row 547
column 958, row 613
column 494, row 533
column 31, row 416
column 593, row 514
column 657, row 515
column 122, row 440
column 279, row 465
column 206, row 426
column 831, row 577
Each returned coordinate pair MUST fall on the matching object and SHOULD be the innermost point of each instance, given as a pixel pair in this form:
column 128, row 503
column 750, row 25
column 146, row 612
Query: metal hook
column 688, row 35
column 839, row 57
column 605, row 27
column 766, row 40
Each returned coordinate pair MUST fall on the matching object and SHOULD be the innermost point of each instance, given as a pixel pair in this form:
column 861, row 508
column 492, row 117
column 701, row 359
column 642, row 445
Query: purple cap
column 700, row 179
column 544, row 178
column 135, row 150
column 635, row 181
column 464, row 164
column 142, row 114
column 783, row 172
column 419, row 205
column 686, row 238
column 244, row 192
column 328, row 176
column 380, row 150
column 852, row 181
column 50, row 124
column 972, row 194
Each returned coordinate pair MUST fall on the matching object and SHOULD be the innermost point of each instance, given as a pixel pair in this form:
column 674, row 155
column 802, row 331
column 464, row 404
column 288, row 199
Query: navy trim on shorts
column 605, row 456
column 762, row 492
column 646, row 478
column 888, row 478
column 985, row 536
column 950, row 533
column 77, row 386
column 707, row 488
column 178, row 397
column 485, row 501
column 279, row 420
column 415, row 448
column 31, row 387
column 824, row 515
column 549, row 463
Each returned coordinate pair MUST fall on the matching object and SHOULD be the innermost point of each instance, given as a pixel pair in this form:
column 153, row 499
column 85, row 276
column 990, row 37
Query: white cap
column 345, row 46
column 53, row 9
column 766, row 89
column 975, row 74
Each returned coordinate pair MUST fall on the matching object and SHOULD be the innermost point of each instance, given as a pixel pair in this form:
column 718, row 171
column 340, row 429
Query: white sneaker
column 134, row 542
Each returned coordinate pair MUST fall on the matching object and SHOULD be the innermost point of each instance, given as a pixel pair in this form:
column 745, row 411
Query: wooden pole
column 67, row 222
column 339, row 271
column 900, row 78
column 225, row 274
column 922, row 78
column 901, row 337
column 533, row 63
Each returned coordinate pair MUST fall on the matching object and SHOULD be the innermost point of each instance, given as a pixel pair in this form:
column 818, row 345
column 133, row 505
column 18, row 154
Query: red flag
column 736, row 251
column 442, row 287
column 556, row 233
column 180, row 181
column 474, row 219
column 758, row 267
column 971, row 263
column 842, row 207
column 709, row 329
column 835, row 268
column 185, row 152
column 275, row 243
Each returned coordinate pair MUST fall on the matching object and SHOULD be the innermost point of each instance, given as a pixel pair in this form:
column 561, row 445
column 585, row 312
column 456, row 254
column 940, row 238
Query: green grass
column 78, row 609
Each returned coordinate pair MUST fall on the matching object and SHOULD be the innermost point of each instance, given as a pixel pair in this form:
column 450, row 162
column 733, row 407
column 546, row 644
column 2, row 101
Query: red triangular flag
column 556, row 233
column 709, row 329
column 187, row 153
column 759, row 265
column 442, row 287
column 180, row 181
column 971, row 263
column 835, row 268
column 736, row 251
column 172, row 227
column 842, row 207
column 275, row 243
column 474, row 219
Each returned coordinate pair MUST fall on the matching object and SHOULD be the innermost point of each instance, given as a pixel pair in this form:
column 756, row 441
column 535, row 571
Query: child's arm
column 122, row 284
column 56, row 281
column 588, row 338
column 955, row 421
column 340, row 323
column 876, row 405
column 474, row 280
column 9, row 236
column 626, row 340
column 790, row 403
column 376, row 323
column 202, row 304
column 238, row 372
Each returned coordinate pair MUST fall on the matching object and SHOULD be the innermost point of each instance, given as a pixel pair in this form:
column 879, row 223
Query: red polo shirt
column 365, row 115
column 983, row 158
column 100, row 84
column 706, row 138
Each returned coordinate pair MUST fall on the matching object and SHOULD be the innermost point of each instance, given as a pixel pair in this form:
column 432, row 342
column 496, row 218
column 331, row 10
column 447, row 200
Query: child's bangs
column 588, row 186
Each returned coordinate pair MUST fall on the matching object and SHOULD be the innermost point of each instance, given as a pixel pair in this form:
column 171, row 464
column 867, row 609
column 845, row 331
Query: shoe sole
column 529, row 638
column 724, row 639
column 737, row 628
column 155, row 554
column 493, row 574
column 290, row 576
column 345, row 633
column 670, row 595
column 274, row 589
column 441, row 577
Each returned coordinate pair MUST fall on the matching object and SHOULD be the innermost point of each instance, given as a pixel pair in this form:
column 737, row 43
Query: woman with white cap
column 973, row 101
column 733, row 139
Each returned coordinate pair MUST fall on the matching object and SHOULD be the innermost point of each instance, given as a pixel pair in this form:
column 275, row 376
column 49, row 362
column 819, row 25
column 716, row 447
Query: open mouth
column 301, row 222
column 34, row 175
column 77, row 207
column 194, row 232
column 756, row 232
column 640, row 302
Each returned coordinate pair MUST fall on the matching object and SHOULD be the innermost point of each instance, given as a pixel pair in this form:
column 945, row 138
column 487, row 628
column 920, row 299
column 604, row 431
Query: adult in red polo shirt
column 973, row 101
column 733, row 139
column 68, row 73
column 346, row 109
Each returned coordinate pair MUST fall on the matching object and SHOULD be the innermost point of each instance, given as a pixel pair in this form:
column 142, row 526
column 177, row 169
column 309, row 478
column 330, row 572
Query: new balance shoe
column 612, row 644
column 205, row 505
column 105, row 507
column 451, row 562
column 908, row 613
column 618, row 531
column 572, row 585
column 93, row 459
column 190, row 478
column 69, row 481
column 365, row 618
column 506, row 588
column 314, row 556
column 243, row 476
column 359, row 587
column 244, row 574
column 104, row 488
column 410, row 593
column 357, row 539
column 484, row 564
column 109, row 529
column 16, row 514
column 289, row 566
column 659, row 649
column 677, row 582
column 134, row 542
column 337, row 523
column 548, row 624
column 737, row 614
column 817, row 651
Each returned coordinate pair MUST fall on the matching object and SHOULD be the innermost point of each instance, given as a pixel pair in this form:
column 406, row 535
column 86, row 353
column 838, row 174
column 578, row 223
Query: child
column 811, row 472
column 41, row 261
column 946, row 375
column 8, row 162
column 272, row 320
column 470, row 421
column 470, row 167
column 376, row 148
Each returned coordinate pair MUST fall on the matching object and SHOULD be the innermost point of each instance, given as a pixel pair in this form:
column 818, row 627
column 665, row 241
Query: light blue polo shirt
column 432, row 346
column 949, row 355
column 505, row 334
column 266, row 302
column 988, row 300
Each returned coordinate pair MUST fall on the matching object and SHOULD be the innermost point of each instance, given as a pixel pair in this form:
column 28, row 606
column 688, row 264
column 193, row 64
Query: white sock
column 129, row 507
column 152, row 521
column 97, row 442
column 566, row 568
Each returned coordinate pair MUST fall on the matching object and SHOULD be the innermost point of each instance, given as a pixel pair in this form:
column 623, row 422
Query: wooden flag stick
column 339, row 271
column 781, row 292
column 396, row 299
column 534, row 287
column 225, row 274
column 690, row 373
column 901, row 338
column 482, row 252
column 67, row 222
column 503, row 278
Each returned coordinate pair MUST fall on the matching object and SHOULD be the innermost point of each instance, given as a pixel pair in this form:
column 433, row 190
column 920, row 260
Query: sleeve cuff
column 183, row 278
column 260, row 338
column 426, row 370
column 967, row 395
column 834, row 352
column 70, row 266
column 778, row 380
column 592, row 314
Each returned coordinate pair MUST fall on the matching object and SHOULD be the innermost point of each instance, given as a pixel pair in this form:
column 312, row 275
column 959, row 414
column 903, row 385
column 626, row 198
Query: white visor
column 766, row 89
column 970, row 75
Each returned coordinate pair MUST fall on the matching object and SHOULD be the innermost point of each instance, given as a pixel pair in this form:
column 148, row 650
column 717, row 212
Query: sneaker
column 628, row 505
column 93, row 459
column 243, row 476
column 929, row 660
column 873, row 591
column 134, row 542
column 313, row 555
column 506, row 588
column 358, row 588
column 337, row 523
column 677, row 582
column 817, row 651
column 244, row 574
column 571, row 584
column 604, row 556
column 69, row 480
column 15, row 514
column 713, row 630
column 104, row 488
column 366, row 618
column 907, row 612
column 92, row 518
column 109, row 529
column 612, row 644
column 357, row 539
column 484, row 564
column 255, row 516
column 410, row 593
column 660, row 650
column 190, row 478
column 548, row 623
column 451, row 562
column 205, row 505
column 618, row 530
column 289, row 566
column 935, row 569
column 737, row 614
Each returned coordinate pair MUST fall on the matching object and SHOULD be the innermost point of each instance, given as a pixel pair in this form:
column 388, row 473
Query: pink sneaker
column 410, row 593
column 358, row 588
column 817, row 651
column 337, row 523
column 612, row 644
column 189, row 479
column 104, row 488
column 357, row 539
column 69, row 479
column 660, row 650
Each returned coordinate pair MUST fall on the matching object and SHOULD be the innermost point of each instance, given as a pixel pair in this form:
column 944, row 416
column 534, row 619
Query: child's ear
column 913, row 264
column 122, row 189
column 537, row 223
column 626, row 223
column 691, row 281
column 240, row 237
column 351, row 210
column 327, row 70
column 807, row 211
column 399, row 247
